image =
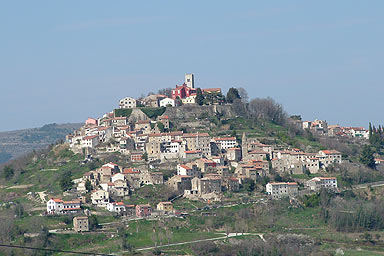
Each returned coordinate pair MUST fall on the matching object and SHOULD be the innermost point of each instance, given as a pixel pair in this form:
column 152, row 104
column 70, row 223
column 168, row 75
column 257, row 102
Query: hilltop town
column 187, row 153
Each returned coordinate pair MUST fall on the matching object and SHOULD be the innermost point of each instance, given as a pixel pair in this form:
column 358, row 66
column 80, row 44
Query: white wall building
column 116, row 207
column 226, row 142
column 166, row 102
column 318, row 183
column 190, row 80
column 100, row 198
column 280, row 189
column 127, row 102
column 58, row 206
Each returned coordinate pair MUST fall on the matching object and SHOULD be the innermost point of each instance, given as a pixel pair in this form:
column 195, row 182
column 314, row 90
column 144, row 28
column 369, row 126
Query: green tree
column 66, row 181
column 232, row 95
column 88, row 185
column 367, row 158
column 199, row 97
column 160, row 125
column 93, row 222
column 178, row 101
column 249, row 185
column 145, row 156
column 8, row 172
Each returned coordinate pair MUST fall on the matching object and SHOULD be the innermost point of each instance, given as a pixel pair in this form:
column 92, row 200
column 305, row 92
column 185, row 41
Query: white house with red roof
column 90, row 141
column 188, row 170
column 116, row 207
column 327, row 157
column 58, row 206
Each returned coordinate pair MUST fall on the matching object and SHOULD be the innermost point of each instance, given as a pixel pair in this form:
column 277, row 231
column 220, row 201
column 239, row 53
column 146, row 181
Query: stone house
column 152, row 178
column 231, row 184
column 206, row 185
column 205, row 164
column 233, row 154
column 198, row 141
column 189, row 155
column 165, row 207
column 180, row 183
column 143, row 210
column 81, row 224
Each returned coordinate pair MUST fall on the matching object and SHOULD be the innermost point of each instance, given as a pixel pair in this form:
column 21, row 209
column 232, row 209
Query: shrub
column 153, row 112
column 123, row 112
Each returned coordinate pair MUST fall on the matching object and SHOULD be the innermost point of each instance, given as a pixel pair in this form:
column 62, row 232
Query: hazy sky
column 62, row 61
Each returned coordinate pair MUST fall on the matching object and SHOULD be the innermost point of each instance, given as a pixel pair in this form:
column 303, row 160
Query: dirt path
column 42, row 196
column 20, row 186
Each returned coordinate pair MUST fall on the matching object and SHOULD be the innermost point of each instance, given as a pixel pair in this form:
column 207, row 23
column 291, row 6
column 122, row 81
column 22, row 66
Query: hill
column 20, row 142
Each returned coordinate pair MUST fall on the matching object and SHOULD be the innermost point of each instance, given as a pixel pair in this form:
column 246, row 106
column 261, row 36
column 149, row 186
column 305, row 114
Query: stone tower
column 190, row 80
column 244, row 147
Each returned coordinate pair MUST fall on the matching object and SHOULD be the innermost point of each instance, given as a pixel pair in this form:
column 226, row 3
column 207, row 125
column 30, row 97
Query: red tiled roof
column 90, row 137
column 225, row 138
column 185, row 167
column 192, row 151
column 331, row 152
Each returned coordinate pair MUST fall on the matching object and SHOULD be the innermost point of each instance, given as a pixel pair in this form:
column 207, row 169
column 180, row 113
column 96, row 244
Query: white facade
column 166, row 102
column 90, row 141
column 100, row 198
column 185, row 170
column 322, row 182
column 226, row 143
column 127, row 102
column 190, row 80
column 58, row 206
column 280, row 189
column 118, row 176
column 189, row 100
column 116, row 207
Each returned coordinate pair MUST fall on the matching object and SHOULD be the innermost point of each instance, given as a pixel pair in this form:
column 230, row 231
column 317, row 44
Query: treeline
column 348, row 213
column 356, row 215
column 376, row 137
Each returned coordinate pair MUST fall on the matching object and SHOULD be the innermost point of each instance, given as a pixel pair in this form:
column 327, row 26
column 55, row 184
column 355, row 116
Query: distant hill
column 19, row 142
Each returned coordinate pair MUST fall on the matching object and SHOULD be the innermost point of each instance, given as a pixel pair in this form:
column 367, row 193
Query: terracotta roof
column 165, row 203
column 192, row 151
column 211, row 89
column 191, row 135
column 185, row 167
column 283, row 183
column 130, row 171
column 143, row 122
column 257, row 152
column 71, row 209
column 90, row 137
column 331, row 152
column 225, row 138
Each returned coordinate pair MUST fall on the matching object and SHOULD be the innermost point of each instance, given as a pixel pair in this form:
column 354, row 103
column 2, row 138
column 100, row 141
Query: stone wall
column 190, row 111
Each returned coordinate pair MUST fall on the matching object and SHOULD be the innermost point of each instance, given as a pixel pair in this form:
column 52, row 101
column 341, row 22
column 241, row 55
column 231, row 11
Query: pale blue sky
column 62, row 61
